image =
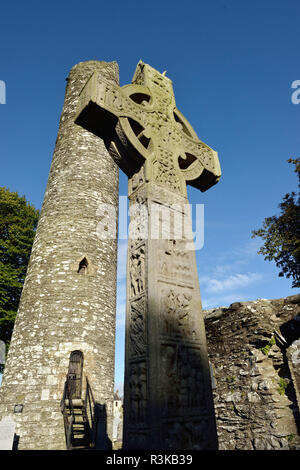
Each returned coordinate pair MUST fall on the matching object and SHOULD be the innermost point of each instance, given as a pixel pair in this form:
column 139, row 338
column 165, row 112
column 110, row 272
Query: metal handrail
column 89, row 411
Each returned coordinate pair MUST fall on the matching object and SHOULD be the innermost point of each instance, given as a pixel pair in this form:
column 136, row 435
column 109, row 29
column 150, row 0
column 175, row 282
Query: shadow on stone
column 102, row 441
column 16, row 442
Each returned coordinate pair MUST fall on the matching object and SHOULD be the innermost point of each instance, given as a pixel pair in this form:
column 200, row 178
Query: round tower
column 66, row 318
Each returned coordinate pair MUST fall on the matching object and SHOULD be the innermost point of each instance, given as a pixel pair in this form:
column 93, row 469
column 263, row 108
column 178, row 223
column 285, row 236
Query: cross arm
column 102, row 103
column 199, row 164
column 105, row 109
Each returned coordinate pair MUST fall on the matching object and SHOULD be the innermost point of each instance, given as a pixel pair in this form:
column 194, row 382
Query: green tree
column 282, row 234
column 18, row 221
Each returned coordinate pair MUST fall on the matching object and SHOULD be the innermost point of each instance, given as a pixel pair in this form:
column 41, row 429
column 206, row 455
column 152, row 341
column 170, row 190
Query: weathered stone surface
column 60, row 309
column 167, row 391
column 254, row 352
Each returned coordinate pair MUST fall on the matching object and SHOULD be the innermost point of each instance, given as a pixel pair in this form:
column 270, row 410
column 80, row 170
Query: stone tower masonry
column 68, row 299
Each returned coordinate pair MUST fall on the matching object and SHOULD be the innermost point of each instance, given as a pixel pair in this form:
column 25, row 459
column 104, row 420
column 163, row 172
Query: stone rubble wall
column 254, row 351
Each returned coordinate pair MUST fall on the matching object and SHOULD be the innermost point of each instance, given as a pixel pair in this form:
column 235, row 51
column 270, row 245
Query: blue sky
column 232, row 64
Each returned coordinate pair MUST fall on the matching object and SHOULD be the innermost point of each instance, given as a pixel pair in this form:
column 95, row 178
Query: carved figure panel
column 138, row 393
column 137, row 271
column 136, row 181
column 137, row 327
column 182, row 388
column 138, row 226
column 187, row 434
column 176, row 313
column 174, row 261
column 164, row 171
column 137, row 440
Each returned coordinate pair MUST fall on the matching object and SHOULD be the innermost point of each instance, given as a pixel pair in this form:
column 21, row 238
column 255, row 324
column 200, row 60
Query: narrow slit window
column 83, row 266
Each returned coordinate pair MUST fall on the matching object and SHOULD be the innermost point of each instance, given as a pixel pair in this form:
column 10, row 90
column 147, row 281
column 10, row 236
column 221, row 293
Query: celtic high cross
column 168, row 400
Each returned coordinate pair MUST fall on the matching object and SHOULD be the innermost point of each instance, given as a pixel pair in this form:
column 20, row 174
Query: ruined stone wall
column 61, row 309
column 255, row 355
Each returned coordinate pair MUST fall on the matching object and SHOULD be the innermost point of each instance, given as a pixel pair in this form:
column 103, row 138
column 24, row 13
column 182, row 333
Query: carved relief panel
column 175, row 262
column 137, row 327
column 137, row 271
column 137, row 180
column 138, row 392
column 183, row 387
column 138, row 225
column 192, row 434
column 165, row 173
column 176, row 313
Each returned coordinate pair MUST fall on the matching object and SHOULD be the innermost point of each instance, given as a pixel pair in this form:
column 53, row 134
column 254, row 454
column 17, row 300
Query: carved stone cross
column 148, row 128
column 168, row 400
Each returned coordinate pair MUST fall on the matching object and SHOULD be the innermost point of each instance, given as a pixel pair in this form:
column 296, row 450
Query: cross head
column 142, row 125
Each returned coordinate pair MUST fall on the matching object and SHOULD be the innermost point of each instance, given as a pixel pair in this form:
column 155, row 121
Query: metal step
column 80, row 441
column 79, row 419
column 75, row 402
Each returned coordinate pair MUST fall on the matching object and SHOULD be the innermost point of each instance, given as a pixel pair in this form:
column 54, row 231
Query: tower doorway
column 75, row 374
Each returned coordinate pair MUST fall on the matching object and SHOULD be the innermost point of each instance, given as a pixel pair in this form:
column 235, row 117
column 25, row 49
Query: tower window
column 83, row 266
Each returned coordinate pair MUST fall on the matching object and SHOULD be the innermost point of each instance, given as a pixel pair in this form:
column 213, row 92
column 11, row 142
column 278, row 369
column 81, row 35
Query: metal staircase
column 80, row 420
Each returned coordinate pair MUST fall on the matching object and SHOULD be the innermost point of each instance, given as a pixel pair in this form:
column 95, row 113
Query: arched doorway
column 75, row 374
